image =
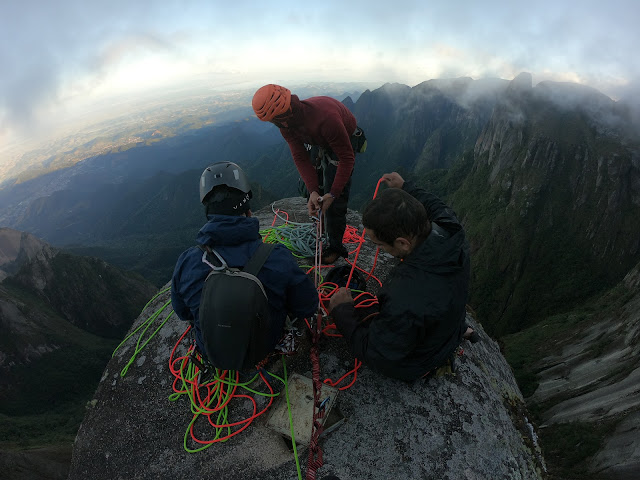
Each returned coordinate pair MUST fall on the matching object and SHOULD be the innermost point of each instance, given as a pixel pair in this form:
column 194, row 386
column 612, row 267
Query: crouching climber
column 421, row 319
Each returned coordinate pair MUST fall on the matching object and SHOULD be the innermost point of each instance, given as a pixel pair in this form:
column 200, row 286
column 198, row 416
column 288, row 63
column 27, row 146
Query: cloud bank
column 60, row 56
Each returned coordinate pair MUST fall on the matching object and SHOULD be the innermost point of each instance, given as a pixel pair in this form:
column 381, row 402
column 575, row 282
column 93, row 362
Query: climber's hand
column 393, row 180
column 340, row 296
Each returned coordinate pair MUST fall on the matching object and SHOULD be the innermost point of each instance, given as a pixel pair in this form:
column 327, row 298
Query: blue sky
column 58, row 57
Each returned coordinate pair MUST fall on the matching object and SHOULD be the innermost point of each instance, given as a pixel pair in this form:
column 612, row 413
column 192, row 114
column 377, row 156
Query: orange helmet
column 270, row 101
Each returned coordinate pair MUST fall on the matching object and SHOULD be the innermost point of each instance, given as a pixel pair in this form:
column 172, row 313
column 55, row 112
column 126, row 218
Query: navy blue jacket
column 236, row 238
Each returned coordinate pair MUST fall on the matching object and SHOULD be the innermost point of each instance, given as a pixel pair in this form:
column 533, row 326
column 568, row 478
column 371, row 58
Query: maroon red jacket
column 325, row 122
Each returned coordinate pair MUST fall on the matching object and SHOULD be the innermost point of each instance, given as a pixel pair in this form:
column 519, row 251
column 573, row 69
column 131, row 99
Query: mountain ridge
column 575, row 195
column 57, row 336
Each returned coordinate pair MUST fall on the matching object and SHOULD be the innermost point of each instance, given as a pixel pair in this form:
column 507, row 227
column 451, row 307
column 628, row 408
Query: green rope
column 299, row 238
column 190, row 373
column 196, row 411
column 293, row 436
column 144, row 326
column 244, row 385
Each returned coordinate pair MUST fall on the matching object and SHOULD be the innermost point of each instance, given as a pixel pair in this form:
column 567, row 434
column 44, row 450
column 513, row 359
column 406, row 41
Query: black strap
column 260, row 256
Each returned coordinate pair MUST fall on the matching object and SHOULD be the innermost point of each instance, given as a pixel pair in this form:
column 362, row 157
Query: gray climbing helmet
column 223, row 173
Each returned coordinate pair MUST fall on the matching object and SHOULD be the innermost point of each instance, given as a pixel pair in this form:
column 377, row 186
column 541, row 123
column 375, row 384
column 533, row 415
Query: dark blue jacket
column 236, row 238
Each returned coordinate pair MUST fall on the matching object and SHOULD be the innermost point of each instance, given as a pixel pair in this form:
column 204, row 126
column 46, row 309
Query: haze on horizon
column 61, row 60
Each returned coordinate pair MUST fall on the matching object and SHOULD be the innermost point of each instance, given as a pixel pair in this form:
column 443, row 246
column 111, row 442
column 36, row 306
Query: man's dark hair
column 394, row 213
column 224, row 200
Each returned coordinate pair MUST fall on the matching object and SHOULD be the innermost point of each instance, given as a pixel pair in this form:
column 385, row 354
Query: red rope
column 355, row 260
column 315, row 460
column 358, row 364
column 275, row 217
column 203, row 393
column 349, row 237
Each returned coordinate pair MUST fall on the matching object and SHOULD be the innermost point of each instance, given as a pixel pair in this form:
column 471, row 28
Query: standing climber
column 323, row 137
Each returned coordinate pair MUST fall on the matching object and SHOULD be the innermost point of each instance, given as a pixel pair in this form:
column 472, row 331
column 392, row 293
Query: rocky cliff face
column 540, row 151
column 88, row 292
column 52, row 312
column 17, row 248
column 56, row 300
column 551, row 204
column 81, row 289
column 552, row 198
column 24, row 339
column 471, row 425
column 587, row 378
column 422, row 128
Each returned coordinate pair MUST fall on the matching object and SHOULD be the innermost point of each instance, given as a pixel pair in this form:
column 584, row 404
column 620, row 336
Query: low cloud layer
column 55, row 54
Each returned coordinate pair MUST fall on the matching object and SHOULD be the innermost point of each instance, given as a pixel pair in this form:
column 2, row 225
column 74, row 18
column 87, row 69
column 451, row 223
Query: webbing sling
column 260, row 256
column 255, row 263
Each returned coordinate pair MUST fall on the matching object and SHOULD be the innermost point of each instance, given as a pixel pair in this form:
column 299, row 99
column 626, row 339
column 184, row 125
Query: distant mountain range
column 546, row 179
column 127, row 190
column 141, row 120
column 133, row 208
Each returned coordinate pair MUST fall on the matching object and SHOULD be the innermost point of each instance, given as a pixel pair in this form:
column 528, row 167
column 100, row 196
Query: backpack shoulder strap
column 260, row 256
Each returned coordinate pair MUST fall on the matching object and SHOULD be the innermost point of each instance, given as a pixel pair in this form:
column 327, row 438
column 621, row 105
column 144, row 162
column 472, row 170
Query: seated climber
column 421, row 319
column 233, row 234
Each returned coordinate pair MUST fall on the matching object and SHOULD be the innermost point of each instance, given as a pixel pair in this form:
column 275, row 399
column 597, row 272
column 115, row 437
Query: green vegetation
column 443, row 182
column 45, row 404
column 523, row 348
column 529, row 258
column 152, row 257
column 567, row 446
column 43, row 401
column 34, row 430
column 57, row 380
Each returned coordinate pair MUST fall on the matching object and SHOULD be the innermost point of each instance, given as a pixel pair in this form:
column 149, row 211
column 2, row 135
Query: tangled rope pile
column 210, row 395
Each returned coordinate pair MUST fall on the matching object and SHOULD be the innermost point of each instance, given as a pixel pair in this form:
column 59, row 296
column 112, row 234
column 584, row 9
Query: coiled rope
column 211, row 393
